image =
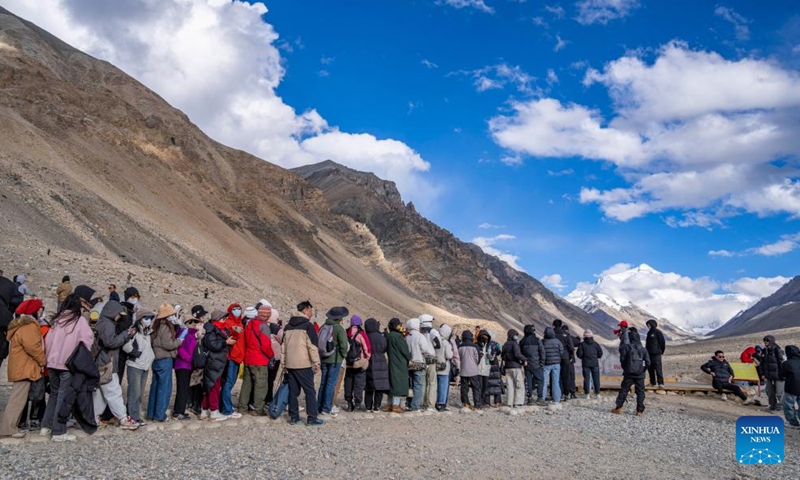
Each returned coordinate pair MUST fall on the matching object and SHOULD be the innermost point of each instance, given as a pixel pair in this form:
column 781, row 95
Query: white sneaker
column 204, row 414
column 20, row 434
column 64, row 438
column 723, row 397
column 215, row 416
column 44, row 432
column 749, row 401
column 334, row 410
column 235, row 415
column 430, row 409
column 588, row 396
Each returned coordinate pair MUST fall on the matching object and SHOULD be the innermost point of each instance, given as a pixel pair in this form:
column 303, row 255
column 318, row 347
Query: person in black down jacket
column 215, row 343
column 567, row 359
column 655, row 346
column 634, row 360
column 514, row 360
column 553, row 352
column 590, row 354
column 790, row 373
column 722, row 374
column 378, row 370
column 533, row 350
column 770, row 364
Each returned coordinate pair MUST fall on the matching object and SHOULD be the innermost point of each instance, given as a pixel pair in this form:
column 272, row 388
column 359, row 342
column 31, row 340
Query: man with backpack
column 301, row 356
column 333, row 347
column 634, row 360
column 770, row 361
column 656, row 346
column 531, row 346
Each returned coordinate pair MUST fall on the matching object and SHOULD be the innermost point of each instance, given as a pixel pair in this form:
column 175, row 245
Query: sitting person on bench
column 722, row 376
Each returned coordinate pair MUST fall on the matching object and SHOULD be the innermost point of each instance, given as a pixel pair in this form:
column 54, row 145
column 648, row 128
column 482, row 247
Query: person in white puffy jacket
column 419, row 347
column 445, row 356
column 429, row 387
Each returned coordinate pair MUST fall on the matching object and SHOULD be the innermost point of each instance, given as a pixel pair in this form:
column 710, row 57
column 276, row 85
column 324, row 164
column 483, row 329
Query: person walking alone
column 656, row 346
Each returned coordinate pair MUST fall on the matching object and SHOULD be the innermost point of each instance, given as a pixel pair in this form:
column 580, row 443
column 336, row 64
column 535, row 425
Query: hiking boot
column 315, row 423
column 397, row 409
column 617, row 410
column 128, row 424
column 528, row 400
column 215, row 416
column 66, row 437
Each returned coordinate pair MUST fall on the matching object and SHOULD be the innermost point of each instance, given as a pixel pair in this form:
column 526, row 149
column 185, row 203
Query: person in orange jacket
column 235, row 328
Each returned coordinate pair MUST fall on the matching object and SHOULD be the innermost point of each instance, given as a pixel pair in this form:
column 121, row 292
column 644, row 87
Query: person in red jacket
column 257, row 354
column 233, row 324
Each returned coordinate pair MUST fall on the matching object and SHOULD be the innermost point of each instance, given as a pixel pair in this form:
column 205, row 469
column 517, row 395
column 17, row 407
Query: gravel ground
column 678, row 437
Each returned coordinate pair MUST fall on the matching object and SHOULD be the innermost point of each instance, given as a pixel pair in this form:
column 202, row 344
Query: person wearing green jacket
column 333, row 350
column 399, row 356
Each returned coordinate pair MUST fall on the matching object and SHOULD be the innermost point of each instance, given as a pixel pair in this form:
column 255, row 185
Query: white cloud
column 691, row 131
column 428, row 63
column 327, row 60
column 551, row 77
column 613, row 269
column 324, row 73
column 603, row 11
column 496, row 77
column 487, row 245
column 721, row 253
column 556, row 10
column 560, row 44
column 738, row 21
column 554, row 281
column 539, row 22
column 487, row 226
column 684, row 301
column 476, row 4
column 217, row 60
column 560, row 173
column 787, row 243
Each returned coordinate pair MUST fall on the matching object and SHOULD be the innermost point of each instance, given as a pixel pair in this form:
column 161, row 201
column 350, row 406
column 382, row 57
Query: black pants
column 476, row 385
column 625, row 388
column 271, row 376
column 302, row 378
column 182, row 378
column 736, row 389
column 196, row 397
column 567, row 378
column 534, row 380
column 373, row 399
column 355, row 380
column 655, row 370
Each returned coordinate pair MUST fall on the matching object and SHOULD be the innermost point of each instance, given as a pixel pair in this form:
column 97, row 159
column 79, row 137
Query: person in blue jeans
column 553, row 352
column 333, row 353
column 790, row 373
column 417, row 385
column 447, row 355
column 165, row 349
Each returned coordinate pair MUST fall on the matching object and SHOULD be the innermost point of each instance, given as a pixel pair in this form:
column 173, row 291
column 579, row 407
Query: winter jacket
column 512, row 354
column 185, row 355
column 275, row 332
column 165, row 345
column 722, row 370
column 340, row 344
column 26, row 355
column 771, row 359
column 533, row 349
column 235, row 329
column 489, row 351
column 470, row 356
column 432, row 336
column 399, row 355
column 553, row 348
column 418, row 345
column 444, row 354
column 790, row 370
column 378, row 370
column 299, row 349
column 141, row 343
column 214, row 344
column 79, row 399
column 590, row 353
column 655, row 343
column 63, row 291
column 624, row 339
column 257, row 344
column 569, row 345
column 108, row 339
column 63, row 339
column 625, row 351
column 7, row 288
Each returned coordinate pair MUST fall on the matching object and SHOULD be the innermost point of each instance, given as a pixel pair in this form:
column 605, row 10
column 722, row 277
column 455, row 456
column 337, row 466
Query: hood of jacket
column 792, row 351
column 235, row 305
column 20, row 322
column 299, row 320
column 512, row 333
column 771, row 339
column 652, row 323
column 549, row 333
column 467, row 336
column 20, row 278
column 372, row 326
column 634, row 338
column 484, row 333
column 111, row 310
column 413, row 324
column 446, row 331
column 588, row 340
column 529, row 330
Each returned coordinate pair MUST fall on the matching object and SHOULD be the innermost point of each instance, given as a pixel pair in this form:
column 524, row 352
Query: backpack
column 635, row 363
column 354, row 352
column 325, row 341
column 199, row 357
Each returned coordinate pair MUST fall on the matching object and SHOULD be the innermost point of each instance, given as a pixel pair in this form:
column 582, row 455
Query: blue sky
column 581, row 135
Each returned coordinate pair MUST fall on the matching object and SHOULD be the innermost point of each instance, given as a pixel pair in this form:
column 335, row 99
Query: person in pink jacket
column 70, row 328
column 355, row 378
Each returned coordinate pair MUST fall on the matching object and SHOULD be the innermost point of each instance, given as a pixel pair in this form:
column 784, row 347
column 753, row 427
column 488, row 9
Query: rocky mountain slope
column 123, row 187
column 779, row 310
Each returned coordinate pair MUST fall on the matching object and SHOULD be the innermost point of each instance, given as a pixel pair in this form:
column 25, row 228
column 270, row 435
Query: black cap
column 85, row 293
column 198, row 311
column 337, row 313
column 131, row 291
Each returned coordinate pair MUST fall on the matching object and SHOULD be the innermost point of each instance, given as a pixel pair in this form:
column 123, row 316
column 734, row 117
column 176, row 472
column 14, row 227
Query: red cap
column 623, row 324
column 29, row 307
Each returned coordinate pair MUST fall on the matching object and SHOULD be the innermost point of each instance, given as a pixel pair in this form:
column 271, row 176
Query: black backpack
column 199, row 356
column 635, row 363
column 354, row 351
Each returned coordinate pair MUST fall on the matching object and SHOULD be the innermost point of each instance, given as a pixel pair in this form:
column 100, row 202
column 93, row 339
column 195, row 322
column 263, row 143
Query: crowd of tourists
column 69, row 368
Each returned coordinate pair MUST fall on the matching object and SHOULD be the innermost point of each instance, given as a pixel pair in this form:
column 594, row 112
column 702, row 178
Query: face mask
column 236, row 312
column 516, row 338
column 173, row 319
column 147, row 321
column 133, row 301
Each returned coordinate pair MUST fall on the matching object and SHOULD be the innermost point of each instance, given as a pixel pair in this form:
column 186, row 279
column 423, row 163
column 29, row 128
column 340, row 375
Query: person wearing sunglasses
column 722, row 377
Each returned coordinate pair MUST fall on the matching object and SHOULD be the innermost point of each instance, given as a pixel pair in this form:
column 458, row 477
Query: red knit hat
column 29, row 307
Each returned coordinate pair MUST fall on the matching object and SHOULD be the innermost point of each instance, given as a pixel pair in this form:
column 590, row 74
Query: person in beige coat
column 301, row 361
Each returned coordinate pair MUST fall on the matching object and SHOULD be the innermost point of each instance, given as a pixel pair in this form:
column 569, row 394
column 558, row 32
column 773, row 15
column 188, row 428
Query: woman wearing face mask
column 235, row 328
column 183, row 367
column 165, row 349
column 140, row 359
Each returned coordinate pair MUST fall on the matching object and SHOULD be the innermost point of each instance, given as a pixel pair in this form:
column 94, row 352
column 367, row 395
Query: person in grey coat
column 470, row 372
column 109, row 343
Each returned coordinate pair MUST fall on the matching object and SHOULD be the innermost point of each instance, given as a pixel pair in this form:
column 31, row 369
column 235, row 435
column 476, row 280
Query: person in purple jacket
column 183, row 371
